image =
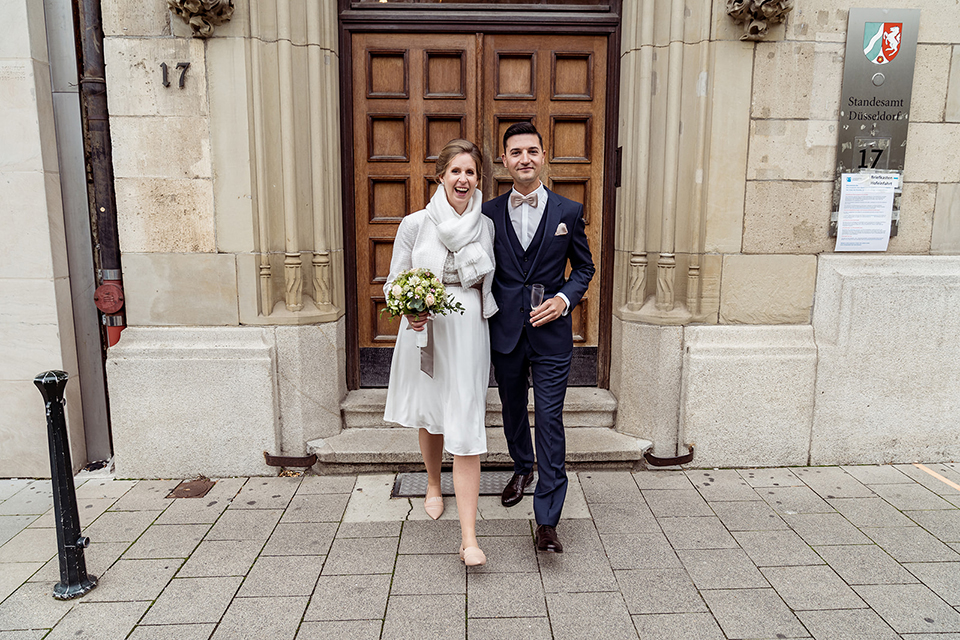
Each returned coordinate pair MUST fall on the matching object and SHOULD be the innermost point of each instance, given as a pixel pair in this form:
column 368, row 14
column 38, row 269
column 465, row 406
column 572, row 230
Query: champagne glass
column 536, row 296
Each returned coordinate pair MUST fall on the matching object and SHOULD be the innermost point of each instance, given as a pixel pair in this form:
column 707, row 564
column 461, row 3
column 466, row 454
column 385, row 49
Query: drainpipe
column 88, row 24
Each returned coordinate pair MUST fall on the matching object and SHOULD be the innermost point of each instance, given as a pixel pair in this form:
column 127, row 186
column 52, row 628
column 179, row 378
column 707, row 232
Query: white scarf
column 460, row 234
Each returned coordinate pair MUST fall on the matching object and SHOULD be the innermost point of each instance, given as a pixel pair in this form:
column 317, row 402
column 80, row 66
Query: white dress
column 453, row 402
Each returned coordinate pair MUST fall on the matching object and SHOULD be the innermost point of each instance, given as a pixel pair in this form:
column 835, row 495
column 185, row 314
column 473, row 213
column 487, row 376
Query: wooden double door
column 413, row 93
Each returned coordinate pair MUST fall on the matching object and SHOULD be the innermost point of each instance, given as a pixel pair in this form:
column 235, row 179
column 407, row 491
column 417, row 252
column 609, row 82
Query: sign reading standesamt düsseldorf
column 878, row 71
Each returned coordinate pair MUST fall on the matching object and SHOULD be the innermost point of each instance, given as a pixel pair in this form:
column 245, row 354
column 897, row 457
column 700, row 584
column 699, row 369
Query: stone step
column 389, row 446
column 582, row 407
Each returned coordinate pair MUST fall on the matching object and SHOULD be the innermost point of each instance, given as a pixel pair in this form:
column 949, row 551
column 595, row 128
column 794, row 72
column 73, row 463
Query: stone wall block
column 231, row 133
column 729, row 129
column 794, row 217
column 161, row 147
column 26, row 117
column 933, row 153
column 938, row 21
column 180, row 289
column 792, row 150
column 311, row 370
column 205, row 398
column 945, row 238
column 767, row 289
column 787, row 217
column 23, row 30
column 823, row 21
column 930, row 78
column 28, row 252
column 647, row 361
column 135, row 18
column 797, row 80
column 29, row 336
column 888, row 335
column 162, row 215
column 916, row 219
column 748, row 395
column 135, row 79
column 26, row 300
column 23, row 430
column 953, row 88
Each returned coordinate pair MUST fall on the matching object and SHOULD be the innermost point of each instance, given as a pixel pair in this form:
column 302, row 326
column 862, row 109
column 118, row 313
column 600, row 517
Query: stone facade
column 734, row 326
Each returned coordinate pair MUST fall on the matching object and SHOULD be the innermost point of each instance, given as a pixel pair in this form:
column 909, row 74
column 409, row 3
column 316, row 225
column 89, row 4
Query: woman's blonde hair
column 454, row 148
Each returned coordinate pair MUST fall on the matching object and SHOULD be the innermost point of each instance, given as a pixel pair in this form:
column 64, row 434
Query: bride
column 454, row 240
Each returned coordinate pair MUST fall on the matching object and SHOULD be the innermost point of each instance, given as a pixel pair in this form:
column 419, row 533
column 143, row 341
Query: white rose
column 414, row 280
column 397, row 291
column 430, row 300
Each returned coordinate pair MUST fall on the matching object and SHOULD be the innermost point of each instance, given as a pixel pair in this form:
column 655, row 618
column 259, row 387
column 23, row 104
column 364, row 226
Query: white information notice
column 866, row 204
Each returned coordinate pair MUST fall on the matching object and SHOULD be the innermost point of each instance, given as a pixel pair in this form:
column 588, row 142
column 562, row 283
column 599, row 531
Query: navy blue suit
column 518, row 347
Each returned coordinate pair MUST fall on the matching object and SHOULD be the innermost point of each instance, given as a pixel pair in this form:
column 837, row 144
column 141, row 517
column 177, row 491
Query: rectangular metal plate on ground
column 414, row 485
column 192, row 488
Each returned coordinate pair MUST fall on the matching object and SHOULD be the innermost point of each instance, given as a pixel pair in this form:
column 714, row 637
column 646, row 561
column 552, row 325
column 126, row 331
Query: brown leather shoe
column 513, row 492
column 547, row 539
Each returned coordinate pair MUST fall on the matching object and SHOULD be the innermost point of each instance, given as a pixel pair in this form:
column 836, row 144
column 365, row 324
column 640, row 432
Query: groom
column 537, row 233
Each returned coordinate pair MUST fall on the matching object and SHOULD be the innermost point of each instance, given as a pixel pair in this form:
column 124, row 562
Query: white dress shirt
column 525, row 220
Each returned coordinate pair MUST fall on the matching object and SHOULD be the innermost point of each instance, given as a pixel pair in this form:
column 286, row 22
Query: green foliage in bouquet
column 416, row 292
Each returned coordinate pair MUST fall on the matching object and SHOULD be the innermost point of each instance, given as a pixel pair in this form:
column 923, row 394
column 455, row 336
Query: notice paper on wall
column 866, row 205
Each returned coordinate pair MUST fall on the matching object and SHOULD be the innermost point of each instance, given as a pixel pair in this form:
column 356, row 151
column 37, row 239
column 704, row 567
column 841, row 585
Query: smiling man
column 537, row 233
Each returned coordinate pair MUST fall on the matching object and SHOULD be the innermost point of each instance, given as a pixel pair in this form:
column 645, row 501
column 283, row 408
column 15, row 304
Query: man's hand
column 417, row 323
column 548, row 311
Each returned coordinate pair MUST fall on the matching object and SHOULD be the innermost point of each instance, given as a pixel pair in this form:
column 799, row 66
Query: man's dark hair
column 519, row 128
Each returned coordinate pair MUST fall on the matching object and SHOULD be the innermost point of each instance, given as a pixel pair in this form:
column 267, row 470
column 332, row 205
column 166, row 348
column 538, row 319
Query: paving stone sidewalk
column 832, row 553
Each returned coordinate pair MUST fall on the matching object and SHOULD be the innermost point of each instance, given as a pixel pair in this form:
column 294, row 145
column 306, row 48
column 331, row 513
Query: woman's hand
column 417, row 323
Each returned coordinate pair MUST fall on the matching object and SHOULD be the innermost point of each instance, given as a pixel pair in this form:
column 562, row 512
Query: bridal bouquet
column 416, row 292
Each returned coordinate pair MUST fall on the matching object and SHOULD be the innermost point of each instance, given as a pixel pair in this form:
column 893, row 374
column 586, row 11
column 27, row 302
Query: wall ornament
column 757, row 15
column 202, row 15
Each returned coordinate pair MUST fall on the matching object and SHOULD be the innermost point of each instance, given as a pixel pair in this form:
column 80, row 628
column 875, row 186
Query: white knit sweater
column 417, row 245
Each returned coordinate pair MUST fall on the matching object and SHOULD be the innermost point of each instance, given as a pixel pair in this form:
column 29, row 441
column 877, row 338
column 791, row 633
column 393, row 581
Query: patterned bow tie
column 516, row 200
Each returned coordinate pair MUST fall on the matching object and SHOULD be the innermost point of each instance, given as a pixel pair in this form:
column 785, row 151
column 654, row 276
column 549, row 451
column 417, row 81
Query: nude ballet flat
column 472, row 556
column 433, row 506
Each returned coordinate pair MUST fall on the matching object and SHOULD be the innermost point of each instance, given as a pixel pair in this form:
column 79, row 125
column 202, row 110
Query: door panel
column 412, row 94
column 415, row 92
column 552, row 82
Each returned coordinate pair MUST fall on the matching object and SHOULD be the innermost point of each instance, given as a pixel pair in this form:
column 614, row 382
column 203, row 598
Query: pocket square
column 561, row 230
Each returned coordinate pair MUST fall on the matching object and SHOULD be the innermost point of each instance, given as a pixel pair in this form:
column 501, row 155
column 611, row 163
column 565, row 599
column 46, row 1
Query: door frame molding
column 444, row 19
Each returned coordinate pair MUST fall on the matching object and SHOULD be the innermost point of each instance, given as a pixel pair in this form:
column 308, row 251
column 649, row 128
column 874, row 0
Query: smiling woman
column 438, row 377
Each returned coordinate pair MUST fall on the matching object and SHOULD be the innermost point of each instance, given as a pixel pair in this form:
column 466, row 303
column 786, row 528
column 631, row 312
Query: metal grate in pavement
column 413, row 485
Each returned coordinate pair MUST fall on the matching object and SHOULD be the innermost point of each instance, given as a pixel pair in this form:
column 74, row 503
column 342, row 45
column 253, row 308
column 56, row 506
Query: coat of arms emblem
column 881, row 41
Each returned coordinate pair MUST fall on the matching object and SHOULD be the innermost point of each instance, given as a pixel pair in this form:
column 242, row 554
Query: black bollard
column 74, row 581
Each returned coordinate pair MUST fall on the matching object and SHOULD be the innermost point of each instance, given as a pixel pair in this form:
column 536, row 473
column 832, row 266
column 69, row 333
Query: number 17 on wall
column 181, row 66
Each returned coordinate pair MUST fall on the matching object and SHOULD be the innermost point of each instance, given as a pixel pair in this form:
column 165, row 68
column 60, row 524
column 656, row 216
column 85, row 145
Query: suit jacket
column 511, row 284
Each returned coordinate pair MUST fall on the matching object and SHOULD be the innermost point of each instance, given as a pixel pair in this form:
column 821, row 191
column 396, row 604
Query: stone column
column 667, row 89
column 292, row 74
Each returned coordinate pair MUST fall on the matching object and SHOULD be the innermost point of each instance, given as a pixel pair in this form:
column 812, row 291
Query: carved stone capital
column 202, row 15
column 757, row 15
